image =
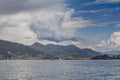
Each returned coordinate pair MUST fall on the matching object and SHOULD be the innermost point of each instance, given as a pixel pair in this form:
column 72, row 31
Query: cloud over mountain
column 27, row 21
column 84, row 23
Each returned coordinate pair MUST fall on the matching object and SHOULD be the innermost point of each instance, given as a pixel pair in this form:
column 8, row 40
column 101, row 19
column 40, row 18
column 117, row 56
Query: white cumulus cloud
column 111, row 44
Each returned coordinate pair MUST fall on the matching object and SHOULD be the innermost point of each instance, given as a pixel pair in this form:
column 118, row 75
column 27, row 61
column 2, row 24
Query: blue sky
column 85, row 23
column 105, row 15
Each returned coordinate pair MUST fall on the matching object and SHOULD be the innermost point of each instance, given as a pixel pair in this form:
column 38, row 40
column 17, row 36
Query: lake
column 59, row 70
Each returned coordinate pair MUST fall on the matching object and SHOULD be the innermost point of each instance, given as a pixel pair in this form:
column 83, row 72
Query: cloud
column 58, row 25
column 29, row 21
column 118, row 25
column 99, row 10
column 102, row 2
column 21, row 34
column 16, row 28
column 106, row 1
column 15, row 6
column 111, row 44
column 64, row 43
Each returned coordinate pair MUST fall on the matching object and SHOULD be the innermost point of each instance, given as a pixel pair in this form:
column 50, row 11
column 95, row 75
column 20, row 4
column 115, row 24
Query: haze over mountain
column 70, row 51
column 115, row 52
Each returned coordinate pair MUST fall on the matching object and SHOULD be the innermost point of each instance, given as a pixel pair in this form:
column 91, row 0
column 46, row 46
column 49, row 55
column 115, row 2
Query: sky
column 91, row 24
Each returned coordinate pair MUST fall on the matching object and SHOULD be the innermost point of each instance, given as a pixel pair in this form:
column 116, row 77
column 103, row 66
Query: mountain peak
column 37, row 44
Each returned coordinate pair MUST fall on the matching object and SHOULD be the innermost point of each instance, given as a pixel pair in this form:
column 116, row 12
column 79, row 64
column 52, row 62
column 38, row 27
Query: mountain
column 11, row 50
column 64, row 52
column 115, row 52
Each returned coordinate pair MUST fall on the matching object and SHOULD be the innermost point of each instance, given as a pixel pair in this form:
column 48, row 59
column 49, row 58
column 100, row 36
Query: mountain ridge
column 64, row 51
column 13, row 50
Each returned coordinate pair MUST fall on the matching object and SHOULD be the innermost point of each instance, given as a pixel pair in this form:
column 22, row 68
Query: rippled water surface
column 59, row 70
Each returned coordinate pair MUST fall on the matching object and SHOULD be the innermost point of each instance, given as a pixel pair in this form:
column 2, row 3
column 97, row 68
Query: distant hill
column 106, row 57
column 11, row 50
column 63, row 52
column 114, row 52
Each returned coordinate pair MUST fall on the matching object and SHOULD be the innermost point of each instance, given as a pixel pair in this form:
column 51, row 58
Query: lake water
column 60, row 70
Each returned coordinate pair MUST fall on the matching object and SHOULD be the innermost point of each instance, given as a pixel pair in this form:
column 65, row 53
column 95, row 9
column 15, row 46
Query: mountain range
column 12, row 50
column 64, row 52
